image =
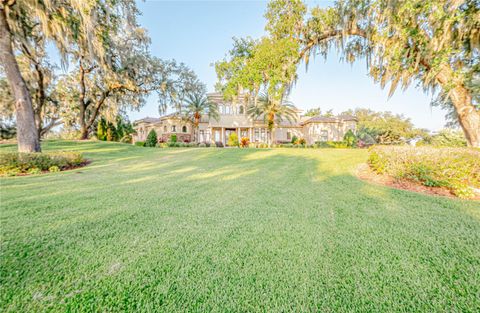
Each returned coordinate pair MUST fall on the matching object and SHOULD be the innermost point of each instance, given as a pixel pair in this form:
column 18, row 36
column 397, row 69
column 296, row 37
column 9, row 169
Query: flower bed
column 14, row 163
column 457, row 169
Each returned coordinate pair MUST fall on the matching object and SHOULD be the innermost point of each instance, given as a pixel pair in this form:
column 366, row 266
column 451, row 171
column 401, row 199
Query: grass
column 200, row 230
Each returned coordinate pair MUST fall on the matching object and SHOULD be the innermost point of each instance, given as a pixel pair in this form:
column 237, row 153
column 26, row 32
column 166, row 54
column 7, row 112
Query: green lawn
column 147, row 229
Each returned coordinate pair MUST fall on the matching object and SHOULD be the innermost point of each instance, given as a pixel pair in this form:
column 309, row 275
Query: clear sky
column 199, row 33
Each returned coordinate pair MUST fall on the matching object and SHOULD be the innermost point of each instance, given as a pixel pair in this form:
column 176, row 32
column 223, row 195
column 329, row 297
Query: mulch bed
column 71, row 168
column 365, row 173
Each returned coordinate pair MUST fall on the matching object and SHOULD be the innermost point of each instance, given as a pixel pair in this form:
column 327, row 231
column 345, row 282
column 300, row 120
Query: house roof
column 147, row 120
column 334, row 119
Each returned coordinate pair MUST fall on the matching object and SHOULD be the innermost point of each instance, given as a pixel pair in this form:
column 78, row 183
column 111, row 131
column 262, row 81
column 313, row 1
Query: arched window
column 184, row 129
column 241, row 110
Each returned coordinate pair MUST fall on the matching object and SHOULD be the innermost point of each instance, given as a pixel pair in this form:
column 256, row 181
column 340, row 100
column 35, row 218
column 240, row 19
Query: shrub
column 173, row 138
column 302, row 141
column 331, row 144
column 294, row 139
column 151, row 139
column 350, row 139
column 14, row 163
column 54, row 169
column 34, row 171
column 202, row 145
column 161, row 145
column 218, row 144
column 126, row 139
column 171, row 144
column 244, row 142
column 140, row 143
column 178, row 144
column 457, row 169
column 232, row 140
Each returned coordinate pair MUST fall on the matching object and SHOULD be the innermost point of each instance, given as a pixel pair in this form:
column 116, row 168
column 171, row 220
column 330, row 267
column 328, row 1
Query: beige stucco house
column 233, row 118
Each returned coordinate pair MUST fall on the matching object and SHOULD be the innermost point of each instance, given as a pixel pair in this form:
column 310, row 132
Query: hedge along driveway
column 147, row 229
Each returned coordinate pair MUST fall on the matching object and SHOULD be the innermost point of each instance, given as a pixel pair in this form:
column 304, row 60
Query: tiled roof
column 147, row 120
column 323, row 119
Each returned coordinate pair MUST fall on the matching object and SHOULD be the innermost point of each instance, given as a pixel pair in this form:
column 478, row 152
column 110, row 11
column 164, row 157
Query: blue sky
column 199, row 33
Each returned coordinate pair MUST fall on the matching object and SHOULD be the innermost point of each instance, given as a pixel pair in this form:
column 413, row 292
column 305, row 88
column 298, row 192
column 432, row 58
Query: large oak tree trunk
column 468, row 115
column 27, row 136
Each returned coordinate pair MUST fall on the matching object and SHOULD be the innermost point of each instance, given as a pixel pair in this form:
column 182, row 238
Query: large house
column 233, row 118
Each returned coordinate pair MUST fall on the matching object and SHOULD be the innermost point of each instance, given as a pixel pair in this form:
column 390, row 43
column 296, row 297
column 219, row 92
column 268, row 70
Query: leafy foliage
column 33, row 163
column 272, row 111
column 232, row 140
column 433, row 42
column 445, row 138
column 151, row 139
column 454, row 168
column 350, row 139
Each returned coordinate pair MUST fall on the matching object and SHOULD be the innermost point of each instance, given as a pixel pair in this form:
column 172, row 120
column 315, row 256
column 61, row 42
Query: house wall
column 335, row 131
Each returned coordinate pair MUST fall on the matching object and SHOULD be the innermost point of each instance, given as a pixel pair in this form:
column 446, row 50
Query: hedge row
column 14, row 163
column 457, row 169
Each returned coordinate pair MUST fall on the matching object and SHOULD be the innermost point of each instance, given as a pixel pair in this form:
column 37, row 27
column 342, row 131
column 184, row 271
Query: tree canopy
column 435, row 43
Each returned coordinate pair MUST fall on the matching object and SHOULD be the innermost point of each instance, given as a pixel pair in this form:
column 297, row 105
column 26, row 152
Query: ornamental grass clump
column 457, row 169
column 14, row 163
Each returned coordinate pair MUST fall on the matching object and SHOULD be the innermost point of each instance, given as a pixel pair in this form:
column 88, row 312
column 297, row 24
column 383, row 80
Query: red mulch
column 365, row 173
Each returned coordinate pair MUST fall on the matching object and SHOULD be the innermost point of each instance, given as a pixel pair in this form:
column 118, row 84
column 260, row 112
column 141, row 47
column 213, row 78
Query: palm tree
column 195, row 106
column 273, row 111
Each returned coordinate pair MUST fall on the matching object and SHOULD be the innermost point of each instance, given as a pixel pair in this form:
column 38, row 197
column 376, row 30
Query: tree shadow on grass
column 265, row 230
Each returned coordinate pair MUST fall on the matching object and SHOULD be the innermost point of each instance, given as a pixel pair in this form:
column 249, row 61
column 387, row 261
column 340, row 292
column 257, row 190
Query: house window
column 165, row 128
column 324, row 135
column 264, row 138
column 241, row 110
column 257, row 134
column 184, row 129
column 227, row 109
column 174, row 128
column 289, row 136
column 202, row 136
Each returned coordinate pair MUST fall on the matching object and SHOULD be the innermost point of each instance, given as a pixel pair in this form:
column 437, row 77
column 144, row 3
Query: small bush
column 173, row 138
column 14, row 163
column 457, row 169
column 302, row 141
column 34, row 171
column 232, row 140
column 140, row 143
column 161, row 145
column 219, row 144
column 54, row 169
column 294, row 139
column 151, row 139
column 202, row 145
column 350, row 139
column 331, row 144
column 244, row 142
